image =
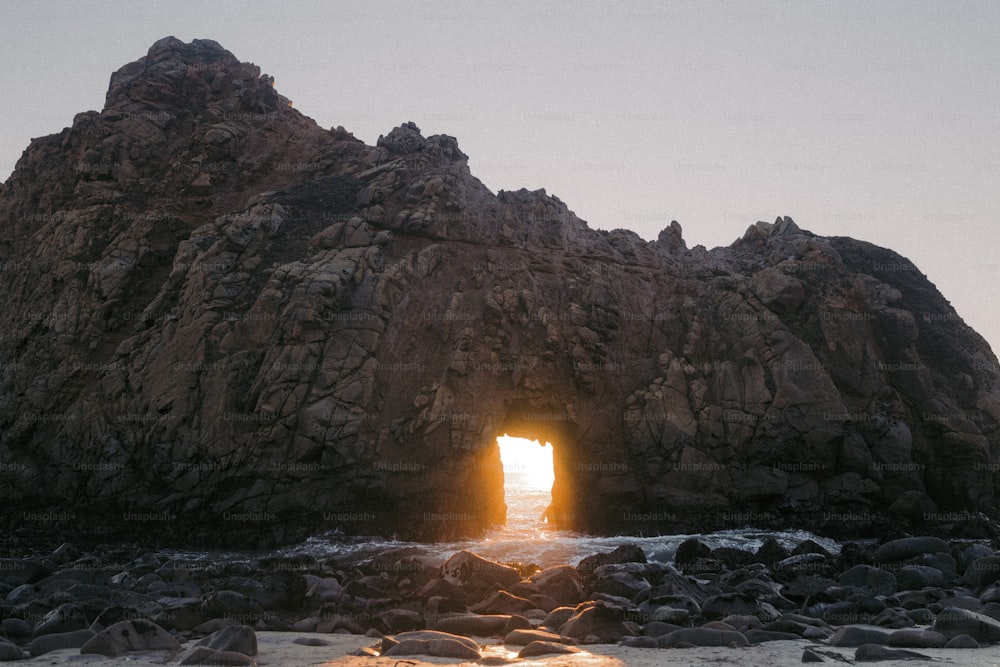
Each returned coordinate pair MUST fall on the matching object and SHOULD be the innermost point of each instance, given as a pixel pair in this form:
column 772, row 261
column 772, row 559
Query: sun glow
column 527, row 462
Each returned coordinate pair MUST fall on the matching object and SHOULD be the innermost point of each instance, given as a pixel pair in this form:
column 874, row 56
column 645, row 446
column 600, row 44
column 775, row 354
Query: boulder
column 702, row 637
column 502, row 602
column 871, row 579
column 561, row 583
column 856, row 635
column 401, row 620
column 127, row 636
column 232, row 605
column 434, row 644
column 59, row 640
column 917, row 639
column 961, row 641
column 956, row 621
column 475, row 625
column 324, row 590
column 909, row 547
column 472, row 572
column 893, row 618
column 525, row 637
column 741, row 604
column 232, row 639
column 913, row 577
column 537, row 648
column 10, row 651
column 64, row 618
column 877, row 653
column 982, row 572
column 622, row 584
column 597, row 619
column 203, row 655
column 627, row 553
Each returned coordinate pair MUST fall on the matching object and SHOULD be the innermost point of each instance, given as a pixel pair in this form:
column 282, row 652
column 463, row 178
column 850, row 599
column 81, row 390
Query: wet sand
column 276, row 649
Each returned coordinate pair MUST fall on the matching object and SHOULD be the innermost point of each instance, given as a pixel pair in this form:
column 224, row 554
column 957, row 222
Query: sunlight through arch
column 528, row 477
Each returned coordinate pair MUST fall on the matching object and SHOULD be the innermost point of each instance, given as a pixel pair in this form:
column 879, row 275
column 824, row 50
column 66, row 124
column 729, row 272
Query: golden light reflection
column 527, row 463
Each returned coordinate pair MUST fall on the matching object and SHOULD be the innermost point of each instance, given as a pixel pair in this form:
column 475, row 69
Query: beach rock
column 690, row 550
column 537, row 648
column 871, row 579
column 10, row 651
column 982, row 572
column 658, row 628
column 876, row 653
column 809, row 655
column 761, row 636
column 912, row 577
column 621, row 584
column 127, row 636
column 917, row 639
column 672, row 615
column 955, row 621
column 640, row 642
column 557, row 617
column 893, row 618
column 310, row 641
column 203, row 655
column 726, row 604
column 626, row 553
column 432, row 635
column 961, row 641
column 908, row 547
column 674, row 601
column 232, row 605
column 502, row 602
column 15, row 572
column 232, row 639
column 702, row 637
column 475, row 625
column 771, row 552
column 597, row 619
column 472, row 572
column 966, row 554
column 324, row 590
column 561, row 583
column 64, row 618
column 17, row 629
column 434, row 643
column 920, row 616
column 855, row 635
column 46, row 643
column 401, row 620
column 525, row 637
column 960, row 602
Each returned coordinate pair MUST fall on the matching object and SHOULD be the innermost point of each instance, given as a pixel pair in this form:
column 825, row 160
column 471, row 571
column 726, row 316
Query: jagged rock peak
column 192, row 76
column 406, row 140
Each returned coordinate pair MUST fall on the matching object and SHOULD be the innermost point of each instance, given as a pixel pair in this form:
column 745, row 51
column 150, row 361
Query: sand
column 276, row 649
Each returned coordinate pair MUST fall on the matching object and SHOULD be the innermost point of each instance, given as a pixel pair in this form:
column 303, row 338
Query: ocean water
column 525, row 539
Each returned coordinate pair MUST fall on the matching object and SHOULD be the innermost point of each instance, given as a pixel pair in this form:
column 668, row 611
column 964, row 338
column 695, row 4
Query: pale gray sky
column 877, row 120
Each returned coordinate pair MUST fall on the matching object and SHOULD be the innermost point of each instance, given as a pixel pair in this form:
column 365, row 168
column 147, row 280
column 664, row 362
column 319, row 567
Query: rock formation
column 223, row 323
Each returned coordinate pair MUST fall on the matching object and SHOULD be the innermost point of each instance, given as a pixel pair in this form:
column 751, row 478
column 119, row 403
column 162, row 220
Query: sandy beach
column 277, row 649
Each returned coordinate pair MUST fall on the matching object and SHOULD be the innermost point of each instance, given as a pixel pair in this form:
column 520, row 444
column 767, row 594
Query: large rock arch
column 254, row 353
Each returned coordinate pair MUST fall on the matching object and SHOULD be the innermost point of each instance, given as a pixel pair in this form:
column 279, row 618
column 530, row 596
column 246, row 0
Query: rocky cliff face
column 223, row 323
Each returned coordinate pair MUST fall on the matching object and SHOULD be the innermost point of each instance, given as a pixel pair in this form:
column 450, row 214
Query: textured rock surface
column 222, row 323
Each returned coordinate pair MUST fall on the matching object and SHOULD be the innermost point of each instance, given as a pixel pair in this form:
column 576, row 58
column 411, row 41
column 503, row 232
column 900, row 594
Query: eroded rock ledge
column 224, row 323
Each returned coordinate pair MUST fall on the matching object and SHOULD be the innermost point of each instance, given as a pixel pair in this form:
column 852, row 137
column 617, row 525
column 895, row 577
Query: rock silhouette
column 222, row 323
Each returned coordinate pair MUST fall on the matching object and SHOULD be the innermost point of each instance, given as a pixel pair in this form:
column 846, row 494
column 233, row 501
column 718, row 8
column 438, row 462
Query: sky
column 875, row 120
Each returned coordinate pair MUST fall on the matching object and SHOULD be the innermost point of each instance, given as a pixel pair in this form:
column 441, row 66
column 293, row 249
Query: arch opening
column 529, row 475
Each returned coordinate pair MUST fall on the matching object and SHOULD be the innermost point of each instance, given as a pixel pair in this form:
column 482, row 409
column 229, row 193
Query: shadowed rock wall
column 223, row 323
